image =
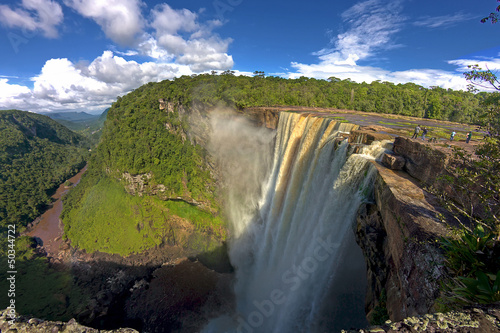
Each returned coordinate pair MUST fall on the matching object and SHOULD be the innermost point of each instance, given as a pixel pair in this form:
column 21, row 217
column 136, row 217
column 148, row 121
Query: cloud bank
column 176, row 40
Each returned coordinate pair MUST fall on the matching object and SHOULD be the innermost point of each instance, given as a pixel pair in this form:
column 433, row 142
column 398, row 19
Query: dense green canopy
column 36, row 155
column 382, row 97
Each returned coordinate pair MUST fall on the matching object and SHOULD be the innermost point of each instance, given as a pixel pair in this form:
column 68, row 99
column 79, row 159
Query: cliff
column 399, row 235
column 400, row 232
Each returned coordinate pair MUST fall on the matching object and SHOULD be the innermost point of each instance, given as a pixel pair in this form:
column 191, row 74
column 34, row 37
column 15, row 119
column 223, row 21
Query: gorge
column 300, row 189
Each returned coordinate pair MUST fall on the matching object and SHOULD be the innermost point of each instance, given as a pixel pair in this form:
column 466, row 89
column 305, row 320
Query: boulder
column 393, row 162
column 422, row 161
column 366, row 136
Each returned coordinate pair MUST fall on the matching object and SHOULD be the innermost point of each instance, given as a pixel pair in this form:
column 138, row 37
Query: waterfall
column 287, row 252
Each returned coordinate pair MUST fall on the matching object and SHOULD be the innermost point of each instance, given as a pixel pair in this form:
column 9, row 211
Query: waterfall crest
column 286, row 255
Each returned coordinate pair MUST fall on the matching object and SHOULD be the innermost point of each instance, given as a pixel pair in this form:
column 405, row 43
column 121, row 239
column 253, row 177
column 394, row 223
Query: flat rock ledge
column 470, row 320
column 33, row 325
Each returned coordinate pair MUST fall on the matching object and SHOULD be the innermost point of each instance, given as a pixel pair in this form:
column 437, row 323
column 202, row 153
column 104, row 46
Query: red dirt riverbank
column 49, row 227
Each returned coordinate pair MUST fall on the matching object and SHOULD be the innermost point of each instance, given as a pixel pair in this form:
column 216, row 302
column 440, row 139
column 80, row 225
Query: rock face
column 422, row 162
column 470, row 320
column 393, row 162
column 399, row 237
column 263, row 117
column 366, row 136
column 181, row 295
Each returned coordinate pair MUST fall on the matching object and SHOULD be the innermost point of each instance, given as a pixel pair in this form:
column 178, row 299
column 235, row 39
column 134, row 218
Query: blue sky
column 62, row 55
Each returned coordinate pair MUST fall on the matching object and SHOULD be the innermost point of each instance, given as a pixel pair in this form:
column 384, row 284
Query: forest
column 36, row 155
column 406, row 99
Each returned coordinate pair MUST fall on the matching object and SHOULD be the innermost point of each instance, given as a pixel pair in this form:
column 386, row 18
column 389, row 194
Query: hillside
column 147, row 181
column 36, row 155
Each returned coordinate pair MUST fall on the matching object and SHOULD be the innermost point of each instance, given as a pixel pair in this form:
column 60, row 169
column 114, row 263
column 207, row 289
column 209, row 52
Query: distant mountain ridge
column 71, row 116
column 90, row 125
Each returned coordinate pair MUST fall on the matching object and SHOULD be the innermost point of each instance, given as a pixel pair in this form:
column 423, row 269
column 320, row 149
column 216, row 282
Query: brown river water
column 50, row 228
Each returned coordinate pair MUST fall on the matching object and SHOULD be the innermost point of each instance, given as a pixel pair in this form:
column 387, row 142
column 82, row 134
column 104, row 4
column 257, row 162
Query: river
column 50, row 228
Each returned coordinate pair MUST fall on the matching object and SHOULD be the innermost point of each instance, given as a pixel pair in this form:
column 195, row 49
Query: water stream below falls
column 298, row 268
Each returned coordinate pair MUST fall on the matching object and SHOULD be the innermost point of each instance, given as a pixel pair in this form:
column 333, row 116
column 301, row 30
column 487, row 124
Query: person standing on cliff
column 452, row 136
column 417, row 130
column 424, row 133
column 469, row 136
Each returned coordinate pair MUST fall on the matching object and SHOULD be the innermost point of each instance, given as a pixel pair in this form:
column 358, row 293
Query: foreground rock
column 471, row 320
column 423, row 162
column 34, row 325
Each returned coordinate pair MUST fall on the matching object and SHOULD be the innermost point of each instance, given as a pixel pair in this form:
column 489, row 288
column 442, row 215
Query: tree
column 473, row 258
column 259, row 74
column 493, row 17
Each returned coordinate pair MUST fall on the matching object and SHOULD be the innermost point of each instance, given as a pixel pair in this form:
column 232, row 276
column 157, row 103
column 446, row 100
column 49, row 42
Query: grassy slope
column 110, row 220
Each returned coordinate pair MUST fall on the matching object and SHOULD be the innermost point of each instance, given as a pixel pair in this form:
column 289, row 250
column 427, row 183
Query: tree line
column 407, row 99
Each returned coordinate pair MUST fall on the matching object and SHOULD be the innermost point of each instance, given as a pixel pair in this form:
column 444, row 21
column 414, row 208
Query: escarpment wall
column 399, row 234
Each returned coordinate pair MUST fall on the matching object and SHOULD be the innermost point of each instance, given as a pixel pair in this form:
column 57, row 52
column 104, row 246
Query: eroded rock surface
column 33, row 325
column 399, row 238
column 470, row 320
column 422, row 161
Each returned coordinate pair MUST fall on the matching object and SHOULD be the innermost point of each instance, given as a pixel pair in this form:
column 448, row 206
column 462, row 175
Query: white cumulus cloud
column 64, row 85
column 180, row 34
column 33, row 15
column 121, row 20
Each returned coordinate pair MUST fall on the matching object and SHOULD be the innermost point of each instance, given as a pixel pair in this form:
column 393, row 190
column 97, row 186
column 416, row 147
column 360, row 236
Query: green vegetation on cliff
column 140, row 140
column 36, row 155
column 108, row 219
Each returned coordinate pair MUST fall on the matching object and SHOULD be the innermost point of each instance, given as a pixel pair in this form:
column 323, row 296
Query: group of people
column 425, row 131
column 417, row 131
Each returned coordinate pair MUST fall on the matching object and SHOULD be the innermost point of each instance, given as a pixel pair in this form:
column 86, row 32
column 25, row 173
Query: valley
column 190, row 214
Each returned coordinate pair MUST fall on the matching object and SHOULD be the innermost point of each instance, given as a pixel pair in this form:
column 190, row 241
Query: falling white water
column 286, row 255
